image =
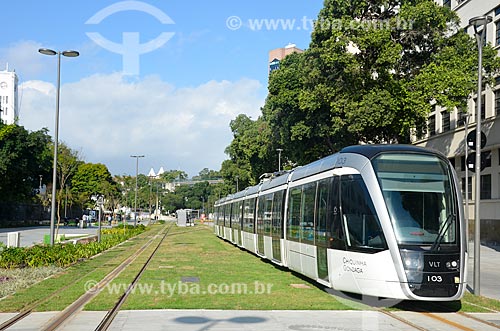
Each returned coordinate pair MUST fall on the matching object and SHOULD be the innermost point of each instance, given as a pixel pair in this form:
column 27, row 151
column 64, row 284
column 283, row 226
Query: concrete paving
column 256, row 320
column 489, row 285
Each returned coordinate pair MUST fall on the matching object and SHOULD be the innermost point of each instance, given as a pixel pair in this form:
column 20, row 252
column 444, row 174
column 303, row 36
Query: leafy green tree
column 383, row 65
column 372, row 71
column 92, row 179
column 68, row 161
column 24, row 157
column 207, row 174
column 171, row 176
column 251, row 153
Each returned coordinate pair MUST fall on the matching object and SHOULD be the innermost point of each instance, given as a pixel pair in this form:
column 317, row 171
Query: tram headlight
column 413, row 261
column 453, row 265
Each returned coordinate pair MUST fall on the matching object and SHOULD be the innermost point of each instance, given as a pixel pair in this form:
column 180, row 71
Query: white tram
column 378, row 220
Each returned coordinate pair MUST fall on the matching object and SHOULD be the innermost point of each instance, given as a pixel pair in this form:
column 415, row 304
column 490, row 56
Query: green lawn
column 194, row 269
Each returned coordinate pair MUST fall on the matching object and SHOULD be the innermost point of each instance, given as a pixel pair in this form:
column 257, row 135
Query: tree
column 251, row 152
column 386, row 62
column 171, row 176
column 207, row 174
column 24, row 157
column 370, row 75
column 68, row 162
column 93, row 179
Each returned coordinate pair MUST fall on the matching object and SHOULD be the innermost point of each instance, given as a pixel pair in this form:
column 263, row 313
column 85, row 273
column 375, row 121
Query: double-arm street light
column 478, row 23
column 136, row 175
column 47, row 51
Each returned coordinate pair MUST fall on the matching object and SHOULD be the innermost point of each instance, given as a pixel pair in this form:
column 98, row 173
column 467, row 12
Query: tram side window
column 236, row 215
column 277, row 217
column 294, row 202
column 361, row 224
column 268, row 209
column 261, row 208
column 307, row 221
column 248, row 215
column 229, row 208
column 225, row 216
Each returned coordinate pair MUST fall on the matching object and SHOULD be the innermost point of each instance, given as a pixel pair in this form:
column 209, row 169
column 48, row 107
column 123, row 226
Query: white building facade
column 9, row 97
column 447, row 130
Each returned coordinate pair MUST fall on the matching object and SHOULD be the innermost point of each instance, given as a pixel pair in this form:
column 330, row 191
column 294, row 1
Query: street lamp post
column 477, row 23
column 279, row 158
column 47, row 51
column 136, row 175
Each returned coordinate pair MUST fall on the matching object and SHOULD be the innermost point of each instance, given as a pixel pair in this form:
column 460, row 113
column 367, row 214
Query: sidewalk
column 34, row 235
column 489, row 269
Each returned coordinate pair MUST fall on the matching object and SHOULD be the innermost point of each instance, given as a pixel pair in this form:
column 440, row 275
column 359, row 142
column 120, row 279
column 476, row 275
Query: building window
column 497, row 11
column 469, row 185
column 486, row 156
column 497, row 35
column 497, row 102
column 485, row 187
column 462, row 115
column 274, row 65
column 462, row 163
column 447, row 3
column 432, row 125
column 483, row 106
column 445, row 120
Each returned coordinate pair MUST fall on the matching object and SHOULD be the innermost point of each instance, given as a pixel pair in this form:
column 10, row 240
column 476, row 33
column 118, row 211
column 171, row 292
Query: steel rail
column 110, row 316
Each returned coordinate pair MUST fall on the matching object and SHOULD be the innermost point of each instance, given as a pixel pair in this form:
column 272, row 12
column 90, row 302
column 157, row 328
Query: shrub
column 63, row 255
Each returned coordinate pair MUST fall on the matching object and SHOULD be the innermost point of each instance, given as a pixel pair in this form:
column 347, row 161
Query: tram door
column 322, row 198
column 327, row 195
column 277, row 224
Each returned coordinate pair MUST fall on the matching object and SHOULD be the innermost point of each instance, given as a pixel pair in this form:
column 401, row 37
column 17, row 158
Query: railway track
column 419, row 315
column 69, row 313
column 425, row 316
column 428, row 321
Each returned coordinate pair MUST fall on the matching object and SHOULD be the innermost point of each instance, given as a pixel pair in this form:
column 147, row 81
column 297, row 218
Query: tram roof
column 370, row 151
column 252, row 189
column 275, row 181
column 316, row 167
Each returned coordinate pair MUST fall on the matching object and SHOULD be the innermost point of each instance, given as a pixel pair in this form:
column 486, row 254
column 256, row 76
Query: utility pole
column 136, row 175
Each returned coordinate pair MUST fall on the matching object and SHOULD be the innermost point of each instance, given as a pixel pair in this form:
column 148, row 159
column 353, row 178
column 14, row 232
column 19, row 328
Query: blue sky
column 176, row 105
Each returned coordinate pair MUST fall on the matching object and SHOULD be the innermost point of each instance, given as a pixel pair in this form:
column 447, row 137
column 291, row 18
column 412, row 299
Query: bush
column 63, row 255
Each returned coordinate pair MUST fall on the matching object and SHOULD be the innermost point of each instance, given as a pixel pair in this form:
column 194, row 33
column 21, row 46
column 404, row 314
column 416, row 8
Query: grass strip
column 193, row 269
column 75, row 278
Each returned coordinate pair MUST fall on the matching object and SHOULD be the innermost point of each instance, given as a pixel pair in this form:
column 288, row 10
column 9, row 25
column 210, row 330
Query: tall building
column 8, row 96
column 447, row 130
column 278, row 54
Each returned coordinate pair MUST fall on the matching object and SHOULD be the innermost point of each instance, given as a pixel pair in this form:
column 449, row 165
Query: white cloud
column 109, row 118
column 24, row 54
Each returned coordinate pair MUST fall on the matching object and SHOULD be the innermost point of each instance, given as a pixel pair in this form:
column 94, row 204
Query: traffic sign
column 471, row 139
column 471, row 162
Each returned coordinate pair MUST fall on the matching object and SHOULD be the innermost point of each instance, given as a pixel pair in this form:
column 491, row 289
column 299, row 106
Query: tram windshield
column 418, row 192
